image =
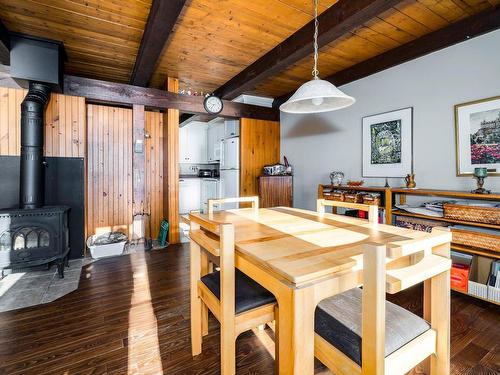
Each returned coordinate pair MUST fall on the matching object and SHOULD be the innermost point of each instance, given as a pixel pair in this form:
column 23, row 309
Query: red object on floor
column 460, row 276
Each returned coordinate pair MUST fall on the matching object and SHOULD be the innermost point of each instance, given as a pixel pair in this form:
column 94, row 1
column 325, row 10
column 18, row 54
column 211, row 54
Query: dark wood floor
column 130, row 315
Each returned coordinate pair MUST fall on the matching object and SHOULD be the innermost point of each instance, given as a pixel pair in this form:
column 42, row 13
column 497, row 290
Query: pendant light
column 317, row 95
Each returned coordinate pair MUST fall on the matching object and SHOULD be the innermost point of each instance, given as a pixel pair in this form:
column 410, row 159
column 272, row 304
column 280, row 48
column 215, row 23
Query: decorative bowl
column 355, row 183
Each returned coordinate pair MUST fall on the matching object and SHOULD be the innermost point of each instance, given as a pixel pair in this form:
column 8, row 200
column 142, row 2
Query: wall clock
column 213, row 104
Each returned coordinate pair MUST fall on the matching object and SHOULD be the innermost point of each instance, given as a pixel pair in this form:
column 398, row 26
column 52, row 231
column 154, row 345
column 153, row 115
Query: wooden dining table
column 303, row 257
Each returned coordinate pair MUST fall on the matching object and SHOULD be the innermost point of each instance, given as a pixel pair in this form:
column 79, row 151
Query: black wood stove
column 33, row 234
column 32, row 237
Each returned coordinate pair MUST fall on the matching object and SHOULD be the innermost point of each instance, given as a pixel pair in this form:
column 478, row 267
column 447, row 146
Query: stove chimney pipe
column 32, row 179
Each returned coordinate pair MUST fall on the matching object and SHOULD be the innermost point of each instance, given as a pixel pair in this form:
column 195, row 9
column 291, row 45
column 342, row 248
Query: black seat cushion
column 338, row 321
column 249, row 294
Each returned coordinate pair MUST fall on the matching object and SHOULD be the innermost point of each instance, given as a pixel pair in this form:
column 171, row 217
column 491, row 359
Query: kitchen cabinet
column 275, row 191
column 215, row 134
column 231, row 128
column 193, row 143
column 189, row 195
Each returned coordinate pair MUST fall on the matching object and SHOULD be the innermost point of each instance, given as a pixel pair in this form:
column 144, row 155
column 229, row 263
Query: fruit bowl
column 355, row 183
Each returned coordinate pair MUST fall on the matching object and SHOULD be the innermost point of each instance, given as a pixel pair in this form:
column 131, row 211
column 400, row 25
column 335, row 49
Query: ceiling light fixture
column 317, row 95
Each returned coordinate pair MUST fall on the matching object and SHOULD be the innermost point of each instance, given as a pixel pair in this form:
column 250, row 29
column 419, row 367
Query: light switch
column 139, row 146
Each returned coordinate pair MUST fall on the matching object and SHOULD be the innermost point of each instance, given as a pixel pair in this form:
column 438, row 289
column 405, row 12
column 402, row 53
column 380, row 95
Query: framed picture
column 388, row 144
column 477, row 132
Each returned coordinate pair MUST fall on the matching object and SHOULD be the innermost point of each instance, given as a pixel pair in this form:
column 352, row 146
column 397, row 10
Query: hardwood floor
column 130, row 315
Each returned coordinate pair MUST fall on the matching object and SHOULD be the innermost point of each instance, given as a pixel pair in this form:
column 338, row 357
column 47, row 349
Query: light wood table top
column 303, row 257
column 300, row 245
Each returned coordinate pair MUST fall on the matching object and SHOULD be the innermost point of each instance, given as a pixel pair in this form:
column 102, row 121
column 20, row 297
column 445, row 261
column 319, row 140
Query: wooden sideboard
column 398, row 195
column 275, row 191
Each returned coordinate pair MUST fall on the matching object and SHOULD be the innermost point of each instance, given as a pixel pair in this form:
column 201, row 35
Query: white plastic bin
column 102, row 247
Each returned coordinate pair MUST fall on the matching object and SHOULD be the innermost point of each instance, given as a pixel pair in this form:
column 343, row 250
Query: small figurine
column 410, row 181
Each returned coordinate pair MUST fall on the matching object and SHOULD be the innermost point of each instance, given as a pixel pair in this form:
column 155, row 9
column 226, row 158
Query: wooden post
column 373, row 310
column 138, row 168
column 437, row 312
column 388, row 206
column 227, row 301
column 196, row 303
column 171, row 166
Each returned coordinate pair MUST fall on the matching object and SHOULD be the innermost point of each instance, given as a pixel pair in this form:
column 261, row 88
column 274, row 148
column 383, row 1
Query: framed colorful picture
column 477, row 131
column 388, row 144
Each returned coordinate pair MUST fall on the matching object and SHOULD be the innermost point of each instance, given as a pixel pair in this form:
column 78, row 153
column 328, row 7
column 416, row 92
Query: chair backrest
column 218, row 240
column 380, row 277
column 253, row 200
column 370, row 208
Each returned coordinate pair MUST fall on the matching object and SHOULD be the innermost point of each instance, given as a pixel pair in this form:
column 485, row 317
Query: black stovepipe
column 31, row 194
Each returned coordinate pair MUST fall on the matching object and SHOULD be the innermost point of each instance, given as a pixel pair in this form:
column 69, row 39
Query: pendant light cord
column 315, row 71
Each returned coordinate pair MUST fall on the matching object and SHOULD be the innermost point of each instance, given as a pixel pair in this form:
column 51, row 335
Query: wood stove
column 32, row 237
column 34, row 234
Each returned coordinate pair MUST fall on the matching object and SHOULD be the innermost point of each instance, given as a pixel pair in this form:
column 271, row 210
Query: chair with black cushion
column 359, row 332
column 372, row 210
column 237, row 301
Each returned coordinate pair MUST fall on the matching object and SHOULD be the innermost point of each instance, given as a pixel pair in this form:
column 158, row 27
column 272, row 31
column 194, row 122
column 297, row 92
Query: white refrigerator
column 230, row 170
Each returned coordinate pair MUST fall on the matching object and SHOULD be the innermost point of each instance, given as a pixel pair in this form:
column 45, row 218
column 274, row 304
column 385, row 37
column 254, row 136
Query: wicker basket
column 480, row 240
column 353, row 197
column 373, row 199
column 337, row 196
column 488, row 215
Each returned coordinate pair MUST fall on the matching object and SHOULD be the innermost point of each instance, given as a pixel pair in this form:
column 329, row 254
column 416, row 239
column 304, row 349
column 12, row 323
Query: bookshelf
column 391, row 196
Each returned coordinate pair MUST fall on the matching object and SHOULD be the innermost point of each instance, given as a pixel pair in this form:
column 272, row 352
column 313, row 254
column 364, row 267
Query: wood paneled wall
column 109, row 169
column 259, row 146
column 64, row 124
column 109, row 166
column 103, row 135
column 154, row 169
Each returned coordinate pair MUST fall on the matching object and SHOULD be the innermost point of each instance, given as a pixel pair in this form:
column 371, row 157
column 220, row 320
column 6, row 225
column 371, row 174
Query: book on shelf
column 494, row 279
column 424, row 225
column 364, row 215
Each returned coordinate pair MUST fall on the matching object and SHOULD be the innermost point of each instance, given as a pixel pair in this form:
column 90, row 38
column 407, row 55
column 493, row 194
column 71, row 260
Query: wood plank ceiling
column 213, row 41
column 101, row 37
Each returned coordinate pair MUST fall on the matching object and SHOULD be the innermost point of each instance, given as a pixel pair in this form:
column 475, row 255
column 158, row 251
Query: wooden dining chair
column 253, row 200
column 236, row 301
column 359, row 332
column 370, row 208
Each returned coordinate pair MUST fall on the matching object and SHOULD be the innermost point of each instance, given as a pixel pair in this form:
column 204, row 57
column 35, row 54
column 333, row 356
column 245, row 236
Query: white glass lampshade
column 316, row 96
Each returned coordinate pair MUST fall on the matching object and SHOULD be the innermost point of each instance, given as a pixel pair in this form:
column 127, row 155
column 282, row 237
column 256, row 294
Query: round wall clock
column 213, row 104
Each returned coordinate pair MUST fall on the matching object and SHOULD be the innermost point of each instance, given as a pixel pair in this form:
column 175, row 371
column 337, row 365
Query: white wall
column 432, row 85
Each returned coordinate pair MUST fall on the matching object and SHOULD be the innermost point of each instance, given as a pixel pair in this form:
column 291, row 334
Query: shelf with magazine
column 474, row 220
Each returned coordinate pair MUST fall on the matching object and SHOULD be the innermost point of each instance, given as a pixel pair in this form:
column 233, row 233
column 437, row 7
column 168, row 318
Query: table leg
column 196, row 303
column 296, row 332
column 437, row 311
column 204, row 309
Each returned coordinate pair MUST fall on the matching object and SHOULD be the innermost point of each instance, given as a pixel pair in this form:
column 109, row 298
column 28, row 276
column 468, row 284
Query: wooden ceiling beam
column 4, row 45
column 161, row 20
column 457, row 32
column 340, row 18
column 122, row 94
